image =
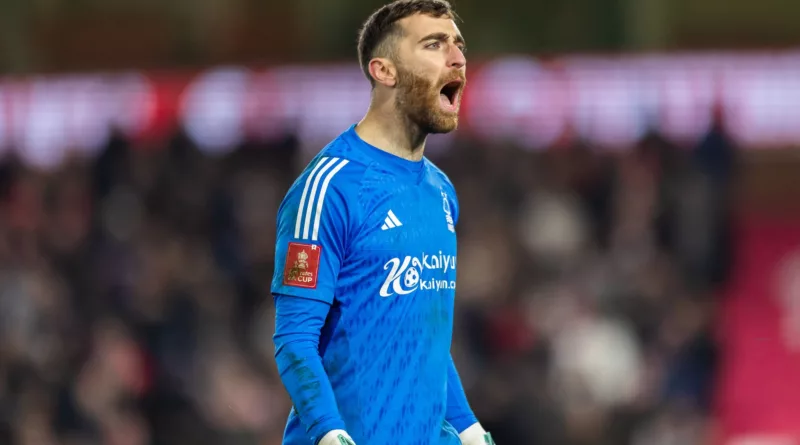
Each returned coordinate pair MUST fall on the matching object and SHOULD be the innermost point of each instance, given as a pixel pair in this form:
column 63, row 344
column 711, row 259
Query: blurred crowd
column 135, row 305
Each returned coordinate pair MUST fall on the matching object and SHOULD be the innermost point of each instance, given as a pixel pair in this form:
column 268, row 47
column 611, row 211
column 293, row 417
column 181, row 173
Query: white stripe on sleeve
column 303, row 197
column 314, row 188
column 322, row 194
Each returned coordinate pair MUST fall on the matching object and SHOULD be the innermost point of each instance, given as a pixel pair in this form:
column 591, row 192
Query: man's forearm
column 458, row 413
column 304, row 377
column 296, row 339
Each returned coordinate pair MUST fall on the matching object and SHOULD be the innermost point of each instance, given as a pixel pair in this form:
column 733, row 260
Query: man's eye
column 434, row 45
column 463, row 49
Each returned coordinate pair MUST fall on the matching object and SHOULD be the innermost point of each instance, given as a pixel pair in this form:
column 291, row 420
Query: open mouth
column 450, row 93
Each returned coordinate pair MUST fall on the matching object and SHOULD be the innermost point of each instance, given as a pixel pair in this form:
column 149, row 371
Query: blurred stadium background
column 629, row 247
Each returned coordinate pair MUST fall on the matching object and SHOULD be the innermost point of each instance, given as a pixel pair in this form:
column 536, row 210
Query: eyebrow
column 443, row 37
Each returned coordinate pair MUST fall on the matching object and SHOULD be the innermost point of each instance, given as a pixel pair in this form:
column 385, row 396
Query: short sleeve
column 312, row 229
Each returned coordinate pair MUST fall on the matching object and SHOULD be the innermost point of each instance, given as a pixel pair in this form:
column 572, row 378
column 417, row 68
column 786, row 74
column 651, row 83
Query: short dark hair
column 380, row 29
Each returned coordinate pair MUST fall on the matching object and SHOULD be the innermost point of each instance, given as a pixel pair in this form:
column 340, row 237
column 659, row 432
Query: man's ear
column 383, row 71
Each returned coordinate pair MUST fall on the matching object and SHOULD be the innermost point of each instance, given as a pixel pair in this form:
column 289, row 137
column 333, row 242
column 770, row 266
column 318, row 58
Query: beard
column 418, row 100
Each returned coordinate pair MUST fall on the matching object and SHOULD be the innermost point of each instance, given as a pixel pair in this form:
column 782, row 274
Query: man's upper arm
column 452, row 196
column 456, row 206
column 312, row 230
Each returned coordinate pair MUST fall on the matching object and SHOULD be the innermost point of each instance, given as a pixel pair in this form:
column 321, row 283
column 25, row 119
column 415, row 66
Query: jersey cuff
column 322, row 428
column 462, row 422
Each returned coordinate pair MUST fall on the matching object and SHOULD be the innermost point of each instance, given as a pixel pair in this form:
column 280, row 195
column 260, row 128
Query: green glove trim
column 344, row 440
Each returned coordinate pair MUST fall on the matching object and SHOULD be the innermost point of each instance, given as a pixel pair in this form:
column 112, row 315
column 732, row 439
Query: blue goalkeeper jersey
column 373, row 235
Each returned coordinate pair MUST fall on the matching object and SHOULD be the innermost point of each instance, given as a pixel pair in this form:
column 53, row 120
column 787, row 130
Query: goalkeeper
column 365, row 277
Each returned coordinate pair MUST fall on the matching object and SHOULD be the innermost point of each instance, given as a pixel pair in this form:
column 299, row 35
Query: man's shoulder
column 439, row 174
column 333, row 178
column 329, row 172
column 324, row 194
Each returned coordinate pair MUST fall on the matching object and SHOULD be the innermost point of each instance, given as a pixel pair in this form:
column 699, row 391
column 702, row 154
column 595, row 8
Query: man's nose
column 456, row 58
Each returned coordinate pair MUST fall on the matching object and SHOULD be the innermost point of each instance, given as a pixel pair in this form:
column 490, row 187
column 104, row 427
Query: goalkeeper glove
column 476, row 435
column 336, row 437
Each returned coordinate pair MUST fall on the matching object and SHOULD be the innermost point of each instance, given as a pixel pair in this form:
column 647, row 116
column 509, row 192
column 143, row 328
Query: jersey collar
column 383, row 157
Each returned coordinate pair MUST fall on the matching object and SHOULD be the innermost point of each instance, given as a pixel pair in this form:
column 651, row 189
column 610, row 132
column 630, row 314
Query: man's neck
column 392, row 133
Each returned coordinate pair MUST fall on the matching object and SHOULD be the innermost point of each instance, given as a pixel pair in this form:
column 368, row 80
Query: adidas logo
column 391, row 221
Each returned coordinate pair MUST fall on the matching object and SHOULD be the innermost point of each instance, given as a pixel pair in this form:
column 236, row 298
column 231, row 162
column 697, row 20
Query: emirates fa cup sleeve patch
column 302, row 265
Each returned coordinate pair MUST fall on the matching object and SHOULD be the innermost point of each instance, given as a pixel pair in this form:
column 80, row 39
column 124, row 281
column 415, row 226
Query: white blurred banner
column 610, row 101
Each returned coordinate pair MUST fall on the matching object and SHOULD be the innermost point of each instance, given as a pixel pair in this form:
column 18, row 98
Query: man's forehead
column 418, row 26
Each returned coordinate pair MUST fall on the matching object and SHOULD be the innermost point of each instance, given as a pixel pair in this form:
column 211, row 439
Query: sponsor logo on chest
column 407, row 275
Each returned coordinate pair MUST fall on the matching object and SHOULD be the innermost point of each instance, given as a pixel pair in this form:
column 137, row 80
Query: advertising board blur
column 609, row 101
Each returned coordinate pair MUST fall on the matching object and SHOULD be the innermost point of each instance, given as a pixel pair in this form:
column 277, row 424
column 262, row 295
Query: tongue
column 445, row 100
